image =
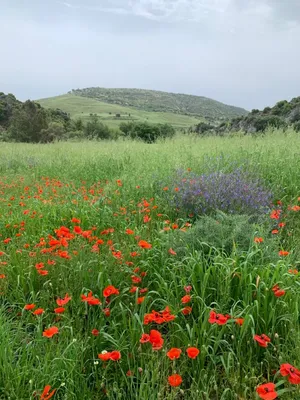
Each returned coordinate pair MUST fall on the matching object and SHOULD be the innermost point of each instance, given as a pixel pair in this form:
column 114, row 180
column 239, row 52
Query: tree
column 95, row 129
column 27, row 122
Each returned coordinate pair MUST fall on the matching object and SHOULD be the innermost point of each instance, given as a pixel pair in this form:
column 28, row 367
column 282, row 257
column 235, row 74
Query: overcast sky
column 240, row 52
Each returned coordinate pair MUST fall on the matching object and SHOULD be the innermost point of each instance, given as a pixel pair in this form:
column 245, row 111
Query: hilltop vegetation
column 157, row 101
column 283, row 115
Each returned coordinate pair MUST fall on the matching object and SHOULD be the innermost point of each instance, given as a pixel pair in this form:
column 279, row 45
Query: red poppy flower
column 293, row 271
column 64, row 301
column 156, row 340
column 174, row 353
column 172, row 252
column 192, row 352
column 279, row 293
column 239, row 321
column 186, row 310
column 115, row 355
column 95, row 332
column 186, row 299
column 29, row 306
column 267, row 391
column 43, row 272
column 145, row 338
column 292, row 373
column 262, row 340
column 59, row 310
column 50, row 332
column 90, row 299
column 110, row 290
column 46, row 395
column 105, row 356
column 258, row 239
column 275, row 214
column 283, row 253
column 38, row 311
column 218, row 319
column 129, row 232
column 144, row 245
column 175, row 380
column 274, row 231
column 140, row 300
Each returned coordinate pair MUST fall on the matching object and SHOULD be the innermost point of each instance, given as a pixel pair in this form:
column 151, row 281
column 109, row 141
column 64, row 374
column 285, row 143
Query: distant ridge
column 158, row 101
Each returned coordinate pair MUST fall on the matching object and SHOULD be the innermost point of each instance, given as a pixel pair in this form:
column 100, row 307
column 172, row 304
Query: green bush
column 95, row 129
column 297, row 126
column 223, row 232
column 147, row 132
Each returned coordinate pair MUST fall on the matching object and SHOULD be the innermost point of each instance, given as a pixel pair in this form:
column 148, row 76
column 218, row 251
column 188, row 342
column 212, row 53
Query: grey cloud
column 236, row 51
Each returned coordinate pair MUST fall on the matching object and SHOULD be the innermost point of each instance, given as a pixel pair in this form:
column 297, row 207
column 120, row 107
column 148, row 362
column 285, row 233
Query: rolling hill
column 82, row 107
column 116, row 105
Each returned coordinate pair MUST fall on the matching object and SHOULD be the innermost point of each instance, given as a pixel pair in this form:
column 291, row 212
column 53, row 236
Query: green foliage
column 204, row 128
column 95, row 129
column 282, row 115
column 151, row 100
column 297, row 126
column 147, row 132
column 7, row 105
column 54, row 131
column 27, row 122
column 225, row 233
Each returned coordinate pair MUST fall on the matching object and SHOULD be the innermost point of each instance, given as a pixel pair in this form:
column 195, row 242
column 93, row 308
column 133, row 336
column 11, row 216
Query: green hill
column 114, row 106
column 113, row 114
column 157, row 101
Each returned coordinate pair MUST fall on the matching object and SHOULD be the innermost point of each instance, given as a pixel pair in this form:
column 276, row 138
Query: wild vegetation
column 283, row 115
column 29, row 122
column 157, row 101
column 125, row 275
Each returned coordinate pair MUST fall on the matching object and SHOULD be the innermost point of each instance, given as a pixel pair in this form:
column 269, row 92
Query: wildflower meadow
column 151, row 271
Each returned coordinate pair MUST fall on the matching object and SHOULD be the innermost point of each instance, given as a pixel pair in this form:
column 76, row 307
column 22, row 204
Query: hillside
column 284, row 114
column 83, row 107
column 157, row 101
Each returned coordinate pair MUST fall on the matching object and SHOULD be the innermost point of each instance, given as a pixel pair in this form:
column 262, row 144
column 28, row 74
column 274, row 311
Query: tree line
column 29, row 122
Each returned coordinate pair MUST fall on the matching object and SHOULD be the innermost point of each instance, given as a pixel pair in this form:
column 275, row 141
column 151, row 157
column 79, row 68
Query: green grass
column 115, row 185
column 82, row 107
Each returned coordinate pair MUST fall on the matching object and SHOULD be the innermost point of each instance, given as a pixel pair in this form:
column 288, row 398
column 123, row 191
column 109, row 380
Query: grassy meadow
column 85, row 258
column 82, row 107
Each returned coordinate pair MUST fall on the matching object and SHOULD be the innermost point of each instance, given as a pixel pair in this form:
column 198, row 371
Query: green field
column 82, row 107
column 76, row 218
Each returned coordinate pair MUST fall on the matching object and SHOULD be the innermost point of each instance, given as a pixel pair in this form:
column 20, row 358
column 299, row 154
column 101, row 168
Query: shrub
column 95, row 129
column 223, row 232
column 234, row 192
column 297, row 126
column 147, row 132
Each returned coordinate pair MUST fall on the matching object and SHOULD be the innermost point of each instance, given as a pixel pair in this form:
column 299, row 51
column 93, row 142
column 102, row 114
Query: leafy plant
column 222, row 232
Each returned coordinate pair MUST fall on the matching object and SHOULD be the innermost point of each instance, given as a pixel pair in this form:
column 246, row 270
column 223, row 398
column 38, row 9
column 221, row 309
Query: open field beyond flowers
column 99, row 299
